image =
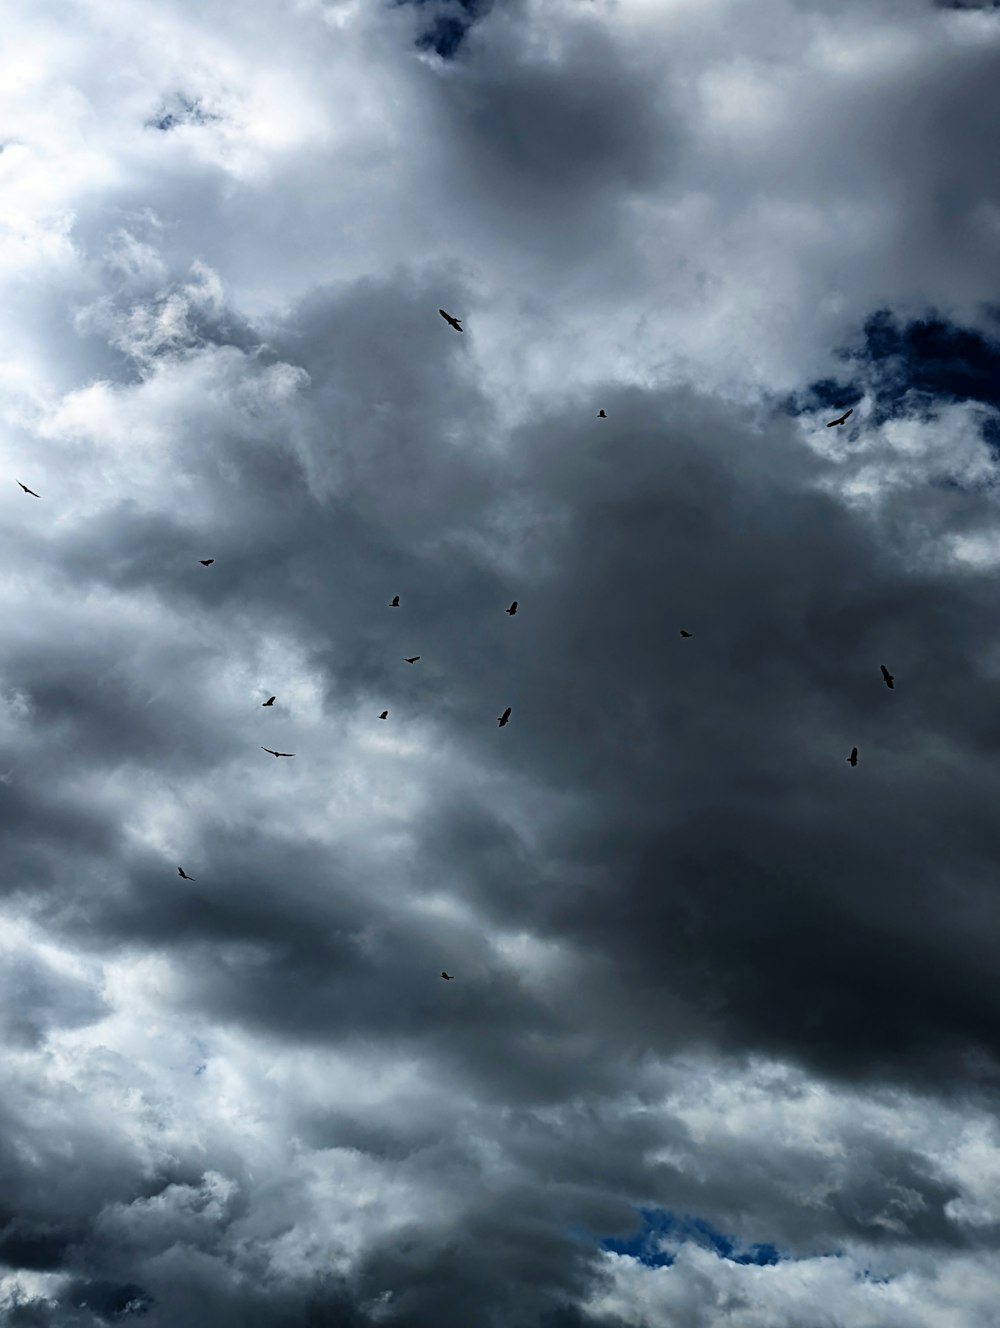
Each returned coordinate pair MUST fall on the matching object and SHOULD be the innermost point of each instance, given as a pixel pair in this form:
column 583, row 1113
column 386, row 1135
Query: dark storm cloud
column 659, row 876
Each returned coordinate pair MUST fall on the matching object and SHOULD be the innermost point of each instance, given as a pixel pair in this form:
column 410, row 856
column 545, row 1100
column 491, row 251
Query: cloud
column 722, row 1040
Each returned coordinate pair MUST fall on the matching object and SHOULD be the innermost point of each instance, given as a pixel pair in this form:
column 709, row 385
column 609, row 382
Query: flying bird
column 412, row 660
column 267, row 749
column 206, row 562
column 183, row 874
column 683, row 633
column 452, row 322
column 853, row 758
column 31, row 491
column 502, row 720
column 394, row 602
column 448, row 977
column 842, row 418
column 270, row 700
column 889, row 677
column 601, row 415
column 513, row 608
column 384, row 714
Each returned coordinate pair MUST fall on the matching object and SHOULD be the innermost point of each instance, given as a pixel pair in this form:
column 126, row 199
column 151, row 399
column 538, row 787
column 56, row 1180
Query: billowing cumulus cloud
column 723, row 1040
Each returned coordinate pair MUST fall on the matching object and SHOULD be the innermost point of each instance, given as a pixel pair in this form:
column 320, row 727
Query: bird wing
column 849, row 412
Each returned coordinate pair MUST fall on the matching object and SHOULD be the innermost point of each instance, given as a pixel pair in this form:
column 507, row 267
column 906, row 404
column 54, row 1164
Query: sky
column 723, row 1041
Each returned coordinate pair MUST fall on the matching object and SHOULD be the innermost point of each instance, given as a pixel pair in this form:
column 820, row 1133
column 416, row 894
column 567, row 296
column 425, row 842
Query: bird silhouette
column 513, row 608
column 502, row 720
column 601, row 415
column 270, row 701
column 452, row 322
column 853, row 758
column 384, row 714
column 683, row 633
column 448, row 977
column 183, row 874
column 889, row 677
column 412, row 660
column 842, row 418
column 27, row 490
column 206, row 562
column 394, row 602
column 268, row 749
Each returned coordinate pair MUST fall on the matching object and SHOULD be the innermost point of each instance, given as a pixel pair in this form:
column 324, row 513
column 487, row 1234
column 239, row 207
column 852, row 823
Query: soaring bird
column 384, row 714
column 268, row 749
column 842, row 418
column 601, row 415
column 31, row 491
column 206, row 562
column 853, row 758
column 513, row 608
column 270, row 701
column 683, row 633
column 412, row 660
column 453, row 322
column 504, row 717
column 448, row 977
column 889, row 677
column 183, row 874
column 394, row 602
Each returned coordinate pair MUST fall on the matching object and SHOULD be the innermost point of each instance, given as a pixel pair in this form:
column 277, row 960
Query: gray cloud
column 702, row 966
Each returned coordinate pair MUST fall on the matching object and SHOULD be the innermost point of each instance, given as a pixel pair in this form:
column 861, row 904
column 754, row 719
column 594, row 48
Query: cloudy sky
column 723, row 1043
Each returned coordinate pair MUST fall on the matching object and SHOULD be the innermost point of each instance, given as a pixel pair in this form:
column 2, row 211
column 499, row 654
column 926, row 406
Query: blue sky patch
column 660, row 1225
column 447, row 23
column 910, row 367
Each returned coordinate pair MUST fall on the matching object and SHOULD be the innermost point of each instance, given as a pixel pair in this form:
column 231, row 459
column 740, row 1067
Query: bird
column 448, row 977
column 268, row 749
column 842, row 418
column 889, row 677
column 270, row 701
column 31, row 491
column 452, row 322
column 183, row 874
column 394, row 602
column 853, row 758
column 206, row 562
column 384, row 714
column 601, row 415
column 412, row 660
column 683, row 633
column 513, row 608
column 502, row 719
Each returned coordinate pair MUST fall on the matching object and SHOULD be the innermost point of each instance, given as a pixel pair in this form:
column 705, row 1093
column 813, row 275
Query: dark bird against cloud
column 448, row 977
column 384, row 714
column 206, row 562
column 270, row 701
column 853, row 758
column 454, row 322
column 183, row 874
column 412, row 659
column 513, row 608
column 842, row 419
column 889, row 677
column 31, row 491
column 683, row 633
column 274, row 753
column 504, row 717
column 601, row 415
column 394, row 602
